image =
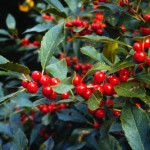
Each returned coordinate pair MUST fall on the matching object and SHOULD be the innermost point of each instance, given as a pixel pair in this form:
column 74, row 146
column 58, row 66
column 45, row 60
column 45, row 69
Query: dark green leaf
column 10, row 22
column 55, row 12
column 145, row 78
column 91, row 52
column 4, row 73
column 6, row 130
column 4, row 32
column 48, row 144
column 136, row 125
column 146, row 99
column 94, row 100
column 3, row 60
column 64, row 101
column 8, row 97
column 40, row 102
column 58, row 69
column 109, row 51
column 14, row 67
column 99, row 39
column 20, row 141
column 130, row 89
column 50, row 42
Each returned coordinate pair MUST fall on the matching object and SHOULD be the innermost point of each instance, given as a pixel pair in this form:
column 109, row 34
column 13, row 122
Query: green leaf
column 4, row 32
column 48, row 144
column 58, row 69
column 109, row 51
column 77, row 146
column 56, row 4
column 94, row 100
column 71, row 115
column 145, row 78
column 136, row 125
column 3, row 60
column 130, row 89
column 10, row 96
column 55, row 12
column 109, row 143
column 140, row 39
column 20, row 141
column 4, row 73
column 121, row 64
column 64, row 101
column 96, row 67
column 50, row 42
column 99, row 39
column 10, row 22
column 39, row 28
column 91, row 52
column 146, row 99
column 40, row 102
column 5, row 129
column 14, row 67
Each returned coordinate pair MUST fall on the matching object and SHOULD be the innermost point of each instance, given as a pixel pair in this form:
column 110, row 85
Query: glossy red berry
column 123, row 78
column 77, row 80
column 101, row 103
column 91, row 111
column 50, row 108
column 47, row 90
column 32, row 87
column 137, row 104
column 147, row 17
column 99, row 76
column 109, row 103
column 116, row 113
column 137, row 46
column 88, row 66
column 87, row 94
column 100, row 113
column 123, row 71
column 123, row 29
column 108, row 88
column 24, row 83
column 75, row 59
column 139, row 56
column 98, row 87
column 53, row 95
column 45, row 80
column 77, row 67
column 99, row 31
column 62, row 106
column 65, row 95
column 81, row 89
column 148, row 61
column 36, row 75
column 147, row 43
column 114, row 80
column 96, row 125
column 54, row 81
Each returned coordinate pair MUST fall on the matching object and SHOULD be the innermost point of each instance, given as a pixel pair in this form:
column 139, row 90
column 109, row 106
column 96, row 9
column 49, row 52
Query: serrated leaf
column 71, row 115
column 19, row 141
column 10, row 96
column 3, row 60
column 121, row 64
column 10, row 22
column 130, row 89
column 58, row 69
column 55, row 12
column 39, row 28
column 50, row 42
column 14, row 67
column 40, row 102
column 94, row 100
column 91, row 52
column 145, row 78
column 109, row 51
column 65, row 85
column 97, row 67
column 136, row 125
column 99, row 39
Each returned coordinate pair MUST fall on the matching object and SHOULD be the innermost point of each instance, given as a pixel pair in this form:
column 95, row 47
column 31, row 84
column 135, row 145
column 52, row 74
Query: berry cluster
column 47, row 17
column 25, row 42
column 96, row 2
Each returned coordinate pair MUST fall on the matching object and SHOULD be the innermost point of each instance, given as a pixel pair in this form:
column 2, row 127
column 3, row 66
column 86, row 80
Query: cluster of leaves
column 72, row 128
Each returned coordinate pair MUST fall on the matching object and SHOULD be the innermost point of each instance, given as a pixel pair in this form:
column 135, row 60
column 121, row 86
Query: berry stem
column 110, row 109
column 24, row 77
column 72, row 95
column 29, row 78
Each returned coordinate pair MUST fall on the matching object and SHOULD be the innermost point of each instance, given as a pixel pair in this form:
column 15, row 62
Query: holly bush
column 79, row 78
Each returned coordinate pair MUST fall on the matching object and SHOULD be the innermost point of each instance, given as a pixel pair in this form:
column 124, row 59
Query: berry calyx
column 32, row 87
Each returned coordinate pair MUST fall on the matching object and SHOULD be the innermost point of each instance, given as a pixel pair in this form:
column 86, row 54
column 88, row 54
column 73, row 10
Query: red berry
column 98, row 87
column 91, row 111
column 108, row 88
column 123, row 29
column 53, row 95
column 45, row 109
column 65, row 95
column 77, row 80
column 109, row 103
column 101, row 103
column 146, row 17
column 88, row 66
column 137, row 104
column 46, row 136
column 87, row 94
column 54, row 81
column 81, row 89
column 139, row 56
column 116, row 113
column 96, row 125
column 123, row 71
column 123, row 78
column 137, row 46
column 47, row 90
column 114, row 80
column 45, row 80
column 41, row 134
column 147, row 43
column 32, row 87
column 99, row 31
column 99, row 76
column 74, row 59
column 100, row 113
column 36, row 76
column 50, row 108
column 63, row 106
column 148, row 61
column 24, row 83
column 95, row 2
column 76, row 67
